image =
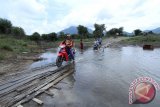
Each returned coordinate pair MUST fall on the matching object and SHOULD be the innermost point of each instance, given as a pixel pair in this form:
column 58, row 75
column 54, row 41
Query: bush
column 18, row 32
column 2, row 56
column 35, row 36
column 7, row 47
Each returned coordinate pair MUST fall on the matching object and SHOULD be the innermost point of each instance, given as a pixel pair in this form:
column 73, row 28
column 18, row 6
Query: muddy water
column 102, row 79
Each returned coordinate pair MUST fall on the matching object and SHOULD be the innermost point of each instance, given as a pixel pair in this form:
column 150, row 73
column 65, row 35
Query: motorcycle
column 63, row 55
column 96, row 45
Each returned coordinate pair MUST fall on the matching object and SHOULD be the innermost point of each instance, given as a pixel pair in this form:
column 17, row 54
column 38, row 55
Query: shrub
column 2, row 56
column 7, row 47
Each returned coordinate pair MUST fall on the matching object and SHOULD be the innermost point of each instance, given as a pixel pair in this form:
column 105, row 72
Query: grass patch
column 2, row 56
column 150, row 39
column 6, row 47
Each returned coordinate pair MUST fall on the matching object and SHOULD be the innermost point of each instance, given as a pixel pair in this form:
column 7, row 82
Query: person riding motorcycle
column 69, row 45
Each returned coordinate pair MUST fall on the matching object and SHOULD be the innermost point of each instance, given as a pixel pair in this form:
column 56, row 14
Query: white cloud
column 47, row 16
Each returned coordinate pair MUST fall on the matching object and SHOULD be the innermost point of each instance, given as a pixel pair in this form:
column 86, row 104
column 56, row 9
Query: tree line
column 6, row 27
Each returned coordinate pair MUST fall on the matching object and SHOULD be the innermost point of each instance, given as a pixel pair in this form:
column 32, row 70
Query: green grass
column 2, row 56
column 10, row 46
column 150, row 39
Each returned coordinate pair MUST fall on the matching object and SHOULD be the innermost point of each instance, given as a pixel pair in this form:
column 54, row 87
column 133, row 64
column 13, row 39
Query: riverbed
column 102, row 78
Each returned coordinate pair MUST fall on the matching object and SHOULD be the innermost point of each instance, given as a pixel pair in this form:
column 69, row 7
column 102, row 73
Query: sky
column 46, row 16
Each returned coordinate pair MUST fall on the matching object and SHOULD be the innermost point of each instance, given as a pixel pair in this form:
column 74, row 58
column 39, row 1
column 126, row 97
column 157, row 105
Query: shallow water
column 102, row 79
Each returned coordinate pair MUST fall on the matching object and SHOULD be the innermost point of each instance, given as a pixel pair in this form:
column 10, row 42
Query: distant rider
column 100, row 41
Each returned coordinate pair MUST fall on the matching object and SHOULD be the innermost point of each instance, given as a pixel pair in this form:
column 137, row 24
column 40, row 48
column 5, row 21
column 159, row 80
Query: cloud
column 47, row 16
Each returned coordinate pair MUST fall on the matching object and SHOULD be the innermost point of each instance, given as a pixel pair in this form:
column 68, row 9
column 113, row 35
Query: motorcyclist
column 96, row 44
column 69, row 45
column 100, row 41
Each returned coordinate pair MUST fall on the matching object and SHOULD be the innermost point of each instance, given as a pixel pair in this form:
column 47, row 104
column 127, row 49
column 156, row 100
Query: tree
column 83, row 31
column 52, row 36
column 137, row 32
column 44, row 37
column 17, row 32
column 5, row 26
column 62, row 35
column 115, row 31
column 99, row 29
column 120, row 31
column 150, row 32
column 35, row 37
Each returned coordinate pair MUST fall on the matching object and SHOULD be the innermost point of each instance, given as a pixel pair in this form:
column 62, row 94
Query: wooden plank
column 43, row 89
column 24, row 95
column 19, row 106
column 25, row 87
column 58, row 88
column 37, row 101
column 49, row 93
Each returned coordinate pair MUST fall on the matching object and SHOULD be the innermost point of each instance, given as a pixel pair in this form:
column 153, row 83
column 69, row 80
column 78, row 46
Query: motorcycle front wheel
column 59, row 61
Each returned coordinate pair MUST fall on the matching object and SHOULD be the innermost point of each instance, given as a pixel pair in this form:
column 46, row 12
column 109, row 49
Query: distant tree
column 44, row 37
column 137, row 32
column 115, row 31
column 35, row 37
column 99, row 29
column 83, row 31
column 17, row 32
column 120, row 31
column 52, row 36
column 75, row 36
column 150, row 32
column 62, row 35
column 5, row 26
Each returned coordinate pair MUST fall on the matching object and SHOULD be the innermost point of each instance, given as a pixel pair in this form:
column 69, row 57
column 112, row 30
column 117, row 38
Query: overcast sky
column 45, row 16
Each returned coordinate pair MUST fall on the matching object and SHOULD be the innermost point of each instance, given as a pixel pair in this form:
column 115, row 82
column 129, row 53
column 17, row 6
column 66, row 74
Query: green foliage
column 62, row 35
column 150, row 32
column 12, row 44
column 115, row 31
column 137, row 32
column 44, row 37
column 150, row 39
column 75, row 36
column 5, row 26
column 2, row 56
column 52, row 36
column 18, row 32
column 83, row 31
column 99, row 29
column 6, row 47
column 35, row 36
column 49, row 37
